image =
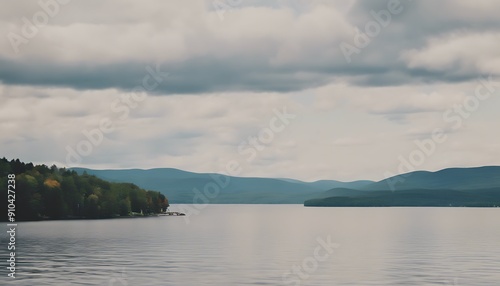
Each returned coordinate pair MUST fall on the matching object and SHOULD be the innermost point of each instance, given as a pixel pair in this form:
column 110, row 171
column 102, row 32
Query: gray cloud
column 315, row 60
column 226, row 76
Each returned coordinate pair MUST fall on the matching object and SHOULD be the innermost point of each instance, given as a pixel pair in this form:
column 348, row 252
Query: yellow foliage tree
column 51, row 183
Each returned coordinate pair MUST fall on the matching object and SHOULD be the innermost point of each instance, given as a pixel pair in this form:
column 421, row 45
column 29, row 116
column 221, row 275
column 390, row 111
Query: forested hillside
column 43, row 192
column 178, row 185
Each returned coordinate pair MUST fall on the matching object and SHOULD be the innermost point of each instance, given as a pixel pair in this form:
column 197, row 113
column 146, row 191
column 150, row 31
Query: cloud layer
column 230, row 66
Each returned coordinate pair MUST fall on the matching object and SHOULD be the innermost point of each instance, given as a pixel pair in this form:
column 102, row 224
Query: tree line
column 43, row 192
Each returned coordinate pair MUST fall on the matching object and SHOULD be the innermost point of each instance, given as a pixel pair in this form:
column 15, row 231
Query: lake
column 265, row 245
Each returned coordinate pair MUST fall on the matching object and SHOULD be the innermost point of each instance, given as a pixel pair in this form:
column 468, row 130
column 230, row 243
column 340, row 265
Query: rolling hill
column 178, row 186
column 452, row 178
column 454, row 186
column 468, row 187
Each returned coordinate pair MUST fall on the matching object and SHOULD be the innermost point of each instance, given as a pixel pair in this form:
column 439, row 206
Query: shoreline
column 84, row 218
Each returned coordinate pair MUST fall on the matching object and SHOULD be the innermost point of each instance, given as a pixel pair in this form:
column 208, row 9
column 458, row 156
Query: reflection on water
column 258, row 244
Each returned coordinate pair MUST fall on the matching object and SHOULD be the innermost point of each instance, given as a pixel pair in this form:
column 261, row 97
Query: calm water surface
column 265, row 245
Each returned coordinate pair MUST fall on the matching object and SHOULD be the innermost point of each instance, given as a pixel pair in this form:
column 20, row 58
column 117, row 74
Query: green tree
column 60, row 193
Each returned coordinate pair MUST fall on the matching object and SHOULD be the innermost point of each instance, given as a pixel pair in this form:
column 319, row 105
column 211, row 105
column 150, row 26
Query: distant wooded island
column 413, row 198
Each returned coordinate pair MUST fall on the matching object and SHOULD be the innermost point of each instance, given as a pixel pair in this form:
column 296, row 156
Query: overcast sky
column 325, row 104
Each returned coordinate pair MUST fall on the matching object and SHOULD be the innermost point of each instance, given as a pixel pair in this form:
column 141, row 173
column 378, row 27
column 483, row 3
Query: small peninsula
column 43, row 192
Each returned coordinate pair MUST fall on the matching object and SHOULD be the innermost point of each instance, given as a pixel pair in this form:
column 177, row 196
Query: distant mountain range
column 452, row 178
column 455, row 186
column 178, row 186
column 467, row 187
